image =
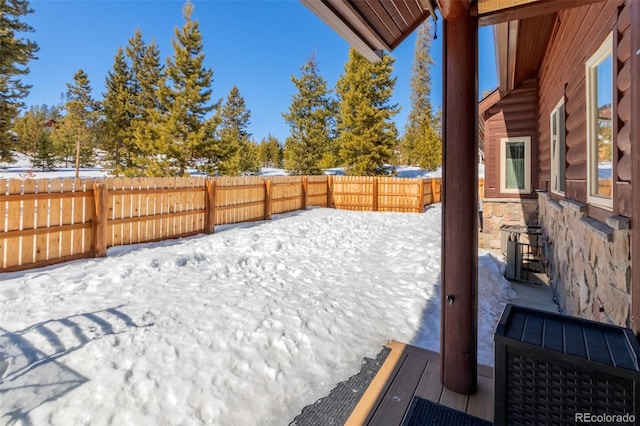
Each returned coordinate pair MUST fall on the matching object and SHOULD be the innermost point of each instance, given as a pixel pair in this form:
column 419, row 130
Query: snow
column 19, row 160
column 243, row 327
column 22, row 168
column 272, row 171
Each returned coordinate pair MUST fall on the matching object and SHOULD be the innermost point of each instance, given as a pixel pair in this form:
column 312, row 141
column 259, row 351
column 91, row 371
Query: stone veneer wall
column 588, row 262
column 497, row 212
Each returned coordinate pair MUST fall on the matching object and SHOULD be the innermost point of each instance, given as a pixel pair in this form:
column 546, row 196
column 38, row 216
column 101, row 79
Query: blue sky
column 255, row 45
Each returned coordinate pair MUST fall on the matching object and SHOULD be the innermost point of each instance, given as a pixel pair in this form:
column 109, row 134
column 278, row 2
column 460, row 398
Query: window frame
column 605, row 49
column 527, row 164
column 560, row 122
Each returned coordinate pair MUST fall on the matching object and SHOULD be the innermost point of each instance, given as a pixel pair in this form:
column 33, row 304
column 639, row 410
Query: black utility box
column 553, row 369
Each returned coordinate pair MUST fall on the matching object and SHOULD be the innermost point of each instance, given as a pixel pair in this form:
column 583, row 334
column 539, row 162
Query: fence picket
column 12, row 256
column 76, row 215
column 87, row 214
column 66, row 218
column 4, row 205
column 143, row 210
column 100, row 220
column 28, row 222
column 127, row 204
column 42, row 221
column 55, row 219
column 156, row 209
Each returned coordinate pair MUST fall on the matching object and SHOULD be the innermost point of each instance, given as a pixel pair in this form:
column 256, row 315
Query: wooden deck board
column 454, row 400
column 481, row 404
column 410, row 371
column 430, row 387
column 398, row 397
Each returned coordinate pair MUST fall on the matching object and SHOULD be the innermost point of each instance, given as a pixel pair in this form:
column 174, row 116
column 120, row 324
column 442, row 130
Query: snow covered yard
column 243, row 327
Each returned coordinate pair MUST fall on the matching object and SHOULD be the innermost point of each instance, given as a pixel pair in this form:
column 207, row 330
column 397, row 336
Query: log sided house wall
column 513, row 115
column 587, row 248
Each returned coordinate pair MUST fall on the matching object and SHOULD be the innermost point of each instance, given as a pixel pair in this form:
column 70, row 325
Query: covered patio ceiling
column 522, row 30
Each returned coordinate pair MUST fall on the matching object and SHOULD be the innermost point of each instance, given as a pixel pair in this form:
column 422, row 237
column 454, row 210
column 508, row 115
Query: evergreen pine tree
column 29, row 126
column 119, row 112
column 135, row 52
column 34, row 129
column 366, row 134
column 186, row 96
column 148, row 151
column 44, row 157
column 78, row 125
column 249, row 158
column 422, row 144
column 310, row 146
column 15, row 53
column 270, row 152
column 234, row 151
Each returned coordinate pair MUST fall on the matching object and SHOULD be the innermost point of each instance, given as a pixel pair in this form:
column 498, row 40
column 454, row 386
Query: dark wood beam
column 459, row 271
column 527, row 10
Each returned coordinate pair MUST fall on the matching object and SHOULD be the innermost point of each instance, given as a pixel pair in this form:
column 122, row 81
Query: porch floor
column 410, row 371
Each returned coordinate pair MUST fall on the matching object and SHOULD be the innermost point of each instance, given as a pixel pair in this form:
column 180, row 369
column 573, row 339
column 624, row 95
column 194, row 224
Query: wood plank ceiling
column 372, row 26
column 392, row 21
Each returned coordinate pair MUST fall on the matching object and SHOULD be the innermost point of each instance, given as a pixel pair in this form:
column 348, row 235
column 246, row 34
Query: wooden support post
column 99, row 226
column 305, row 192
column 420, row 195
column 267, row 199
column 459, row 300
column 375, row 194
column 210, row 203
column 330, row 203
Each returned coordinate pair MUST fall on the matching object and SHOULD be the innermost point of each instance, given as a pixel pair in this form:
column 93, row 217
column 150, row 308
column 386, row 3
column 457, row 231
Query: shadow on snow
column 31, row 368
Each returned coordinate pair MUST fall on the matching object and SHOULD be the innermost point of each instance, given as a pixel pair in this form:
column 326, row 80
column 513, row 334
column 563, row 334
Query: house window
column 516, row 159
column 599, row 84
column 558, row 148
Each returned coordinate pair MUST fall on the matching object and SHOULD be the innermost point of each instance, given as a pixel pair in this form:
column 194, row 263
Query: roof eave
column 505, row 35
column 361, row 42
column 505, row 31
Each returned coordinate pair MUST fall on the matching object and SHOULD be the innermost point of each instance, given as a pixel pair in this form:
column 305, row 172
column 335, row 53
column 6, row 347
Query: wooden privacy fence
column 383, row 193
column 52, row 221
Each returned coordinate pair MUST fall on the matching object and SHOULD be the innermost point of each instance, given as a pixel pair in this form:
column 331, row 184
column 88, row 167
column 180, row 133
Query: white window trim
column 527, row 165
column 606, row 48
column 554, row 162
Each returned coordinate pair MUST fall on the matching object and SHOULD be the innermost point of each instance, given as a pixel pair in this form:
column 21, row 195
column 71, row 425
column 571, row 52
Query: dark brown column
column 459, row 323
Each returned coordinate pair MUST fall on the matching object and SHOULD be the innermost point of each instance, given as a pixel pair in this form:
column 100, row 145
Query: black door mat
column 423, row 412
column 335, row 408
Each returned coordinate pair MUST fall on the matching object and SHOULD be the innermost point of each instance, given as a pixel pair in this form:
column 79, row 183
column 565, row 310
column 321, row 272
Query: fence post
column 433, row 190
column 375, row 194
column 99, row 226
column 330, row 192
column 305, row 192
column 210, row 206
column 267, row 199
column 421, row 195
